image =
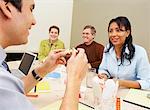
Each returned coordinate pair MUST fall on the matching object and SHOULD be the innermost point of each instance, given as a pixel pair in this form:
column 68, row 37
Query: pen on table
column 86, row 105
column 35, row 89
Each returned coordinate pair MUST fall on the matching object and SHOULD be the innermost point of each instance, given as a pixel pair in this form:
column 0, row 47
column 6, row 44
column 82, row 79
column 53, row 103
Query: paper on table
column 43, row 86
column 56, row 106
column 138, row 97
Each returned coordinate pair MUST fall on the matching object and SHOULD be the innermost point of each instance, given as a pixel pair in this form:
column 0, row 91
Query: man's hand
column 54, row 58
column 89, row 65
column 77, row 65
column 76, row 68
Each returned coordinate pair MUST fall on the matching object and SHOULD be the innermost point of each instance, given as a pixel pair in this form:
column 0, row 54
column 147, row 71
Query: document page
column 138, row 97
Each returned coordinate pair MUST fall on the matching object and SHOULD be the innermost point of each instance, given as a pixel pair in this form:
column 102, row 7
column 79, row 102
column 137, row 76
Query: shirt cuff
column 145, row 84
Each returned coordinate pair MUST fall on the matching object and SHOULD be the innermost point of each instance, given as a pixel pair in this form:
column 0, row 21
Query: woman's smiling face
column 117, row 35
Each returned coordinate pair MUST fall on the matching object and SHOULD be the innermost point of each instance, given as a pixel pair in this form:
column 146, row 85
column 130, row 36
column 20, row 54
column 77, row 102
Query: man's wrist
column 41, row 70
column 74, row 82
column 36, row 76
column 73, row 85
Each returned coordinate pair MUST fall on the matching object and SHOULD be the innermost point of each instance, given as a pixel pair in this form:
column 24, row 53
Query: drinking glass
column 90, row 75
column 97, row 92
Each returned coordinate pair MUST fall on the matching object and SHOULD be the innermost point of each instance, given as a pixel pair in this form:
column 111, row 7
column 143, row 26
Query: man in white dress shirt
column 16, row 19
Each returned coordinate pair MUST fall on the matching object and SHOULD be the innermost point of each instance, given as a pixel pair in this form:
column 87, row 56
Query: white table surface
column 45, row 99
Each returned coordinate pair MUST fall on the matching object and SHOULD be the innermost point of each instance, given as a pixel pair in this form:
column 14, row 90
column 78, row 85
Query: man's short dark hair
column 15, row 3
column 56, row 27
column 93, row 30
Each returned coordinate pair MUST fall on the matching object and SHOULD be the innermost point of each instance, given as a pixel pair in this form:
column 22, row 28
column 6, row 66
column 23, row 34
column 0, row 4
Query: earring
column 127, row 50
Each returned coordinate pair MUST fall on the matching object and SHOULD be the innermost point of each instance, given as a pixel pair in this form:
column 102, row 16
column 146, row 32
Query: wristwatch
column 36, row 76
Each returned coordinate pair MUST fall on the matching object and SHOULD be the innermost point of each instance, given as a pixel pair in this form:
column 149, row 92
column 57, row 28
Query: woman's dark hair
column 16, row 3
column 123, row 22
column 56, row 27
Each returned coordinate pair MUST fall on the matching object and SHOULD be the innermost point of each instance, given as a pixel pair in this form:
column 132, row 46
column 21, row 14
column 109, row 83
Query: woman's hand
column 102, row 76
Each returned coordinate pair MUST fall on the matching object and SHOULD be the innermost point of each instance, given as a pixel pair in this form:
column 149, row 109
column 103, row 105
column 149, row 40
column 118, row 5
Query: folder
column 138, row 97
column 43, row 86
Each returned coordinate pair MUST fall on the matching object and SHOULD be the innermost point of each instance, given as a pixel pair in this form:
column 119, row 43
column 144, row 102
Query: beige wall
column 47, row 13
column 100, row 12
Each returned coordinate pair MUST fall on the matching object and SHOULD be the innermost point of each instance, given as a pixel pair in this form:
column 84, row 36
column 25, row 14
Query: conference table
column 45, row 99
column 56, row 93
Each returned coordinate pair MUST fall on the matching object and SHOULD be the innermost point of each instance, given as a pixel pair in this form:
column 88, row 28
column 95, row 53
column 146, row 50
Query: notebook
column 25, row 65
column 138, row 97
